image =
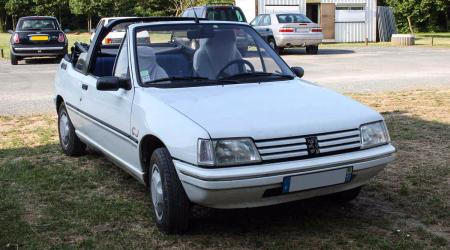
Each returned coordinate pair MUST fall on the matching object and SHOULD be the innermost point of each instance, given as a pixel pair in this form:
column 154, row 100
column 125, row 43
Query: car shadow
column 39, row 61
column 322, row 51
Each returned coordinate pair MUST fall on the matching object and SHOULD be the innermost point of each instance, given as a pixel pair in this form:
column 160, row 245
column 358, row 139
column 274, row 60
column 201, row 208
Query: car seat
column 215, row 53
column 148, row 67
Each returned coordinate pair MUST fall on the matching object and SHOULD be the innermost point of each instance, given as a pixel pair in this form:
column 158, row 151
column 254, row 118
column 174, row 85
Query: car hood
column 267, row 110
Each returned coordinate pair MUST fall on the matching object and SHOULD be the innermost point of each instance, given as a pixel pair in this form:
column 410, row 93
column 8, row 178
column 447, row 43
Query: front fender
column 151, row 116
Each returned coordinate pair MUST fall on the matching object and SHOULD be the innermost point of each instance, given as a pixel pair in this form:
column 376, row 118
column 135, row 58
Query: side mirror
column 10, row 32
column 112, row 83
column 298, row 71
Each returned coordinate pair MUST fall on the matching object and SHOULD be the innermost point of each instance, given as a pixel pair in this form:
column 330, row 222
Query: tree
column 50, row 8
column 418, row 14
column 87, row 8
column 18, row 8
column 2, row 15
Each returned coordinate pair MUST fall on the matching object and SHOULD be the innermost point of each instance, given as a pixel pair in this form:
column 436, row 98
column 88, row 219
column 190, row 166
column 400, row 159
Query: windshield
column 293, row 18
column 200, row 54
column 37, row 24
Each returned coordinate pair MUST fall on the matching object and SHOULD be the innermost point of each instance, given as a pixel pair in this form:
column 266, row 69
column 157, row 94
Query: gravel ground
column 28, row 87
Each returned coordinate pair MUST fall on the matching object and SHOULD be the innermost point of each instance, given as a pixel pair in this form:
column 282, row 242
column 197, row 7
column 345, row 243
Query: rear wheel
column 14, row 59
column 170, row 203
column 345, row 196
column 273, row 44
column 68, row 139
column 312, row 50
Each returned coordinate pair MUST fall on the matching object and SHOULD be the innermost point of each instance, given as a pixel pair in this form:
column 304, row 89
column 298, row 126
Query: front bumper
column 256, row 185
column 298, row 40
column 39, row 51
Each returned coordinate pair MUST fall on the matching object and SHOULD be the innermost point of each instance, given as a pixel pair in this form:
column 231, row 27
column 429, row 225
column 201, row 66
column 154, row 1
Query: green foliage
column 426, row 15
column 74, row 14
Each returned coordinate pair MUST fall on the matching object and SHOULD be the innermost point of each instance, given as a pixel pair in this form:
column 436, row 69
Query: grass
column 72, row 37
column 48, row 200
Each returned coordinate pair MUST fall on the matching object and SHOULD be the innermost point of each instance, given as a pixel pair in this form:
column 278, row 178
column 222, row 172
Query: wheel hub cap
column 64, row 129
column 157, row 192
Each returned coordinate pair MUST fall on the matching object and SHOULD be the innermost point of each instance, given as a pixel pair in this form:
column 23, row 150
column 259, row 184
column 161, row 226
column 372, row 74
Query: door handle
column 267, row 29
column 84, row 86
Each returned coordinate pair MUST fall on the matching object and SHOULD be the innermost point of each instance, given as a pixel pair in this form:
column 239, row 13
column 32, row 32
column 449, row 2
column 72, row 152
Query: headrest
column 222, row 37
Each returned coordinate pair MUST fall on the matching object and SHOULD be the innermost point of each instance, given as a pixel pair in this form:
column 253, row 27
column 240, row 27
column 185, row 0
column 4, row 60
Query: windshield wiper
column 176, row 78
column 191, row 78
column 257, row 74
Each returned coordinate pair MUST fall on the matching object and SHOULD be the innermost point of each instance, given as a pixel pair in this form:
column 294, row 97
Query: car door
column 71, row 88
column 109, row 113
column 262, row 24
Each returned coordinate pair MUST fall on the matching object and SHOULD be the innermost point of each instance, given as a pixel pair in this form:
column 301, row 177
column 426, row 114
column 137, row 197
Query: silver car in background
column 287, row 30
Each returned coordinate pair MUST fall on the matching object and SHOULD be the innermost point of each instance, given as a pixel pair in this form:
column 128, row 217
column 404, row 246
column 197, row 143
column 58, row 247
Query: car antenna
column 195, row 14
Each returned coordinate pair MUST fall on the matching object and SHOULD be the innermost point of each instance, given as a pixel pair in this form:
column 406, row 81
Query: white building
column 341, row 20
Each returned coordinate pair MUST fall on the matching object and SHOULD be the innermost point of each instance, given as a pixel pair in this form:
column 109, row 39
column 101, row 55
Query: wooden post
column 1, row 52
column 367, row 41
column 432, row 41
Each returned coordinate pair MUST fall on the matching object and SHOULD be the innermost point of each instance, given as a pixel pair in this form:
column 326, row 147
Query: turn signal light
column 61, row 38
column 286, row 30
column 316, row 30
column 16, row 38
column 107, row 40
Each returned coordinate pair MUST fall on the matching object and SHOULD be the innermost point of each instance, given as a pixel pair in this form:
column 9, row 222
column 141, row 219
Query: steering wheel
column 239, row 62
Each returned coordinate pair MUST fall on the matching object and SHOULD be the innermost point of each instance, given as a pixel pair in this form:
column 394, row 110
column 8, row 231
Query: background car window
column 293, row 18
column 121, row 68
column 37, row 24
column 255, row 21
column 266, row 20
column 188, row 13
column 225, row 14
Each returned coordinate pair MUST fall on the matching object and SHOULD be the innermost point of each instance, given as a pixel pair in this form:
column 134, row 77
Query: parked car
column 221, row 13
column 37, row 36
column 116, row 35
column 287, row 30
column 210, row 127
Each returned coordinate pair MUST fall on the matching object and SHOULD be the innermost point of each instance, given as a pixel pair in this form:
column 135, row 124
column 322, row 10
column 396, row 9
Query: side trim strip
column 128, row 136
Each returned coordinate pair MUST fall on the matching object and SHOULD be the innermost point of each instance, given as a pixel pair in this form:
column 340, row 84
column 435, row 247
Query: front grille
column 296, row 147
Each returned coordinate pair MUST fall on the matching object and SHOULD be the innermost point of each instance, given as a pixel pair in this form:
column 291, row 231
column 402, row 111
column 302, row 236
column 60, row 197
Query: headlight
column 227, row 152
column 374, row 134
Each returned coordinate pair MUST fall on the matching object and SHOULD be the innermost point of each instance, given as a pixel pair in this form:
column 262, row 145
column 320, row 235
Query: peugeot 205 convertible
column 209, row 126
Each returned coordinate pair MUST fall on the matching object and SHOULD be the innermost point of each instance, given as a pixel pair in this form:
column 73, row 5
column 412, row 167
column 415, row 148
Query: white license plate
column 317, row 179
column 301, row 30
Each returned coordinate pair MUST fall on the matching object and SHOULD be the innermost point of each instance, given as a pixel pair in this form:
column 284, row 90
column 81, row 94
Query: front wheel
column 273, row 44
column 170, row 203
column 68, row 139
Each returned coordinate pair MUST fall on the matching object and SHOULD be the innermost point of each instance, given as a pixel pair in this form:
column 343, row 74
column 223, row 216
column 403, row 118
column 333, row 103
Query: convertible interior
column 176, row 57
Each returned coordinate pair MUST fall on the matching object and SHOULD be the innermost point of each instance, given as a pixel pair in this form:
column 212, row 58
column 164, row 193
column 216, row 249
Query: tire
column 312, row 50
column 14, row 59
column 68, row 139
column 345, row 196
column 281, row 50
column 170, row 203
column 273, row 44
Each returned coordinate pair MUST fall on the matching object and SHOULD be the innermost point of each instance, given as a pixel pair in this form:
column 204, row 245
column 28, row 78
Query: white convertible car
column 211, row 127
